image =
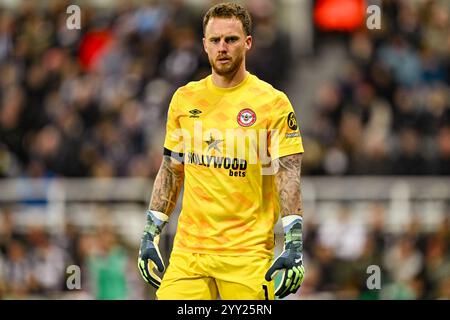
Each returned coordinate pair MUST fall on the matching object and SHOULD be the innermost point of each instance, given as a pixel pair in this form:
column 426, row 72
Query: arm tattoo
column 287, row 180
column 167, row 186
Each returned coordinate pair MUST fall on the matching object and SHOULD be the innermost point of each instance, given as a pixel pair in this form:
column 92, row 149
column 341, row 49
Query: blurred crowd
column 93, row 101
column 389, row 110
column 351, row 259
column 341, row 254
column 95, row 262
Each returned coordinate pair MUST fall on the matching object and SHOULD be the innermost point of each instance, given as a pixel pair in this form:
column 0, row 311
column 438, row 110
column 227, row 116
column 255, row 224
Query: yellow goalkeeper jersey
column 226, row 138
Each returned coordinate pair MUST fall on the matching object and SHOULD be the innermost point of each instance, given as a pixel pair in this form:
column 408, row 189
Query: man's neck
column 230, row 80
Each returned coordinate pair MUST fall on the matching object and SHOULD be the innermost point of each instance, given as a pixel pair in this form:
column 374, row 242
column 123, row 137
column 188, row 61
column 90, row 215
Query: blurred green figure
column 107, row 268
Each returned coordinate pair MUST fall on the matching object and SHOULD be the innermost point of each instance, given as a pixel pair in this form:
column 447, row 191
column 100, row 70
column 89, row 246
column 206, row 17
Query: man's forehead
column 224, row 26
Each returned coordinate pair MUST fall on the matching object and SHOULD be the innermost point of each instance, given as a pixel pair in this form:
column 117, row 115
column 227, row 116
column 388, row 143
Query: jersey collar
column 211, row 86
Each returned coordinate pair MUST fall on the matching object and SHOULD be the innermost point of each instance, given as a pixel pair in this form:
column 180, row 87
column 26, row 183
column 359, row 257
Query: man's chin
column 224, row 71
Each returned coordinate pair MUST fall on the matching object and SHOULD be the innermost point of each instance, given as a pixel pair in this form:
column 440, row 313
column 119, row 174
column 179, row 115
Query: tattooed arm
column 167, row 186
column 289, row 262
column 287, row 181
column 166, row 189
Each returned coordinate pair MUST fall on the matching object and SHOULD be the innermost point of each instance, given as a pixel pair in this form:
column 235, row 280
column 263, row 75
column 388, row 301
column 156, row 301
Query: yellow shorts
column 193, row 276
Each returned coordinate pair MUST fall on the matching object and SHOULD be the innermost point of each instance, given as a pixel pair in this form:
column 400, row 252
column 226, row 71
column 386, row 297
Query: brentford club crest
column 246, row 117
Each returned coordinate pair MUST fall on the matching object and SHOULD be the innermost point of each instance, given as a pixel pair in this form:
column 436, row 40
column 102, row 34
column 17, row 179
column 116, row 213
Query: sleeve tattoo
column 287, row 181
column 167, row 186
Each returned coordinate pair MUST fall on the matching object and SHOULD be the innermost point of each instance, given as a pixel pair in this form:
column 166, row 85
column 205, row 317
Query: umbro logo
column 194, row 113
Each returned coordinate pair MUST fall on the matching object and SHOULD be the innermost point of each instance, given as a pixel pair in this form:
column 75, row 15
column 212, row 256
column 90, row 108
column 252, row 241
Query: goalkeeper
column 224, row 243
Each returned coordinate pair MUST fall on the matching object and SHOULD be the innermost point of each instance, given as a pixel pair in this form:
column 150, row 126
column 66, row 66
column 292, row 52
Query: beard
column 228, row 68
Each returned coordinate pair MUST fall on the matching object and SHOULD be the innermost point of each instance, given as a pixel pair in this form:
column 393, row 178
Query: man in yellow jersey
column 234, row 142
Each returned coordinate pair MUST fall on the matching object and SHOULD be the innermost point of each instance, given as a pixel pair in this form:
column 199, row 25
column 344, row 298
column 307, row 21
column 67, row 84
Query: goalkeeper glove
column 290, row 260
column 149, row 255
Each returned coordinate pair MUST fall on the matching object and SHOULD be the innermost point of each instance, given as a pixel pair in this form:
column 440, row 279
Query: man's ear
column 248, row 42
column 204, row 44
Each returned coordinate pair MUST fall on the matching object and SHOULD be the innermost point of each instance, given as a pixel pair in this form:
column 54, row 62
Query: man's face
column 226, row 44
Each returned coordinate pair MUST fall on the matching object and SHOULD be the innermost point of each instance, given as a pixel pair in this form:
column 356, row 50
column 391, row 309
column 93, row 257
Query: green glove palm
column 149, row 255
column 289, row 262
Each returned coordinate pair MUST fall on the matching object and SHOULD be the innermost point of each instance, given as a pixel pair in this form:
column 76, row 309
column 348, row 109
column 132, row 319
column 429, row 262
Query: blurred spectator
column 437, row 264
column 48, row 263
column 343, row 235
column 271, row 45
column 108, row 267
column 17, row 271
column 370, row 256
column 444, row 290
column 403, row 261
column 442, row 165
column 402, row 60
column 409, row 160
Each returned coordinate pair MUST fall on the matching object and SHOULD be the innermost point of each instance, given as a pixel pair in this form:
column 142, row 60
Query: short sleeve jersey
column 227, row 138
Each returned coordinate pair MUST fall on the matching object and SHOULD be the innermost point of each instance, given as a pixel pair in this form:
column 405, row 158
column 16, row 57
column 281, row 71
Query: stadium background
column 82, row 121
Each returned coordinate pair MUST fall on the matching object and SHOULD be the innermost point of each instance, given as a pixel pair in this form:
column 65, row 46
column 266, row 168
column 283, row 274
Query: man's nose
column 223, row 46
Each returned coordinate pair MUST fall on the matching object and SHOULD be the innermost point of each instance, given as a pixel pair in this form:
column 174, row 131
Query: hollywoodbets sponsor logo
column 235, row 166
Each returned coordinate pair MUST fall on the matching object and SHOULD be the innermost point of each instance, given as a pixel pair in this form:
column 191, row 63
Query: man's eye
column 214, row 40
column 231, row 40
